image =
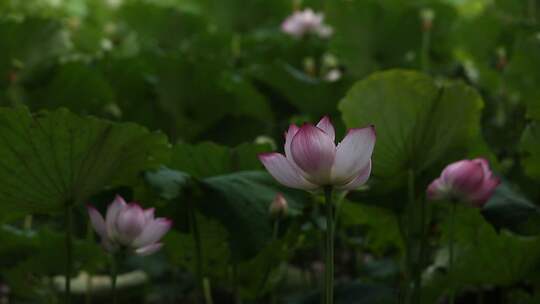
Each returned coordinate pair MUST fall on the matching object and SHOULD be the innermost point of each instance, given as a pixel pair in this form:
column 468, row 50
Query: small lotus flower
column 312, row 160
column 468, row 180
column 305, row 22
column 279, row 206
column 129, row 226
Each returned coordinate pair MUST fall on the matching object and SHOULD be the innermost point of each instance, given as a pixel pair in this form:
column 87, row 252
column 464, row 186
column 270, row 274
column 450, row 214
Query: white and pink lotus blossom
column 312, row 160
column 128, row 226
column 469, row 180
column 305, row 22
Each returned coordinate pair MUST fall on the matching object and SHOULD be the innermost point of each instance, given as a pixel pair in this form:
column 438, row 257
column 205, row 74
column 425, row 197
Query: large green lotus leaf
column 418, row 121
column 482, row 256
column 530, row 144
column 210, row 159
column 198, row 90
column 507, row 209
column 52, row 158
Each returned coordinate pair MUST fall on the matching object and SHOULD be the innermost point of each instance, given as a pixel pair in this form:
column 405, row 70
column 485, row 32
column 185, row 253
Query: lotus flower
column 279, row 206
column 128, row 226
column 469, row 180
column 305, row 22
column 312, row 161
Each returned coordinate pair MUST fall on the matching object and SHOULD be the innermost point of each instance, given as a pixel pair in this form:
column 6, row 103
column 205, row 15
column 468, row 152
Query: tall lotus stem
column 451, row 249
column 114, row 274
column 329, row 250
column 68, row 244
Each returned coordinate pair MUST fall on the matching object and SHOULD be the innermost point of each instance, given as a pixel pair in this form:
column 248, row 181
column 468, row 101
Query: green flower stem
column 89, row 287
column 451, row 250
column 204, row 283
column 114, row 274
column 415, row 265
column 532, row 11
column 426, row 42
column 329, row 252
column 269, row 266
column 69, row 253
column 207, row 291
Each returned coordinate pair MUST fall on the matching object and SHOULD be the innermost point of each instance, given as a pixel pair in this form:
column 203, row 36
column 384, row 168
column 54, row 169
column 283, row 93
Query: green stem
column 207, row 291
column 114, row 274
column 268, row 269
column 532, row 11
column 426, row 41
column 236, row 294
column 480, row 296
column 89, row 287
column 198, row 248
column 451, row 251
column 329, row 256
column 69, row 254
column 416, row 266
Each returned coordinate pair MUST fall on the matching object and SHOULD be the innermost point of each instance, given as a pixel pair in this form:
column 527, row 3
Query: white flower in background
column 333, row 75
column 305, row 22
column 114, row 3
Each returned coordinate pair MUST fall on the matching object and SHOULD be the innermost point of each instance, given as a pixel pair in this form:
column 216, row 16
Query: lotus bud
column 466, row 180
column 427, row 16
column 279, row 206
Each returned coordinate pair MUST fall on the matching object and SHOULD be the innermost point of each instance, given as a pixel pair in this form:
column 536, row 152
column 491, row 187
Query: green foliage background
column 168, row 102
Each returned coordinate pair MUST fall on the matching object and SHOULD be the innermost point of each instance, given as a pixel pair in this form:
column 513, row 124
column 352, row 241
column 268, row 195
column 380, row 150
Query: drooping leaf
column 418, row 121
column 482, row 256
column 508, row 210
column 240, row 202
column 52, row 158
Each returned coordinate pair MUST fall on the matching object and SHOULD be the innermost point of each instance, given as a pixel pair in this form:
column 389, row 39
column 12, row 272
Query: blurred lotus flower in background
column 469, row 180
column 333, row 75
column 129, row 226
column 279, row 206
column 305, row 22
column 312, row 160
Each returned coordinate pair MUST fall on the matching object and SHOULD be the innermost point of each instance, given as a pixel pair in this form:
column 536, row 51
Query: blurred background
column 222, row 80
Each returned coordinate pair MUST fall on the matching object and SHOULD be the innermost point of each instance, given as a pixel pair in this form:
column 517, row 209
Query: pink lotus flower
column 129, row 226
column 279, row 206
column 312, row 160
column 305, row 22
column 468, row 180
